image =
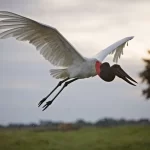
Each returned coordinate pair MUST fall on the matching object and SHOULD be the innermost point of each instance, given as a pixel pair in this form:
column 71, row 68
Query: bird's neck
column 97, row 67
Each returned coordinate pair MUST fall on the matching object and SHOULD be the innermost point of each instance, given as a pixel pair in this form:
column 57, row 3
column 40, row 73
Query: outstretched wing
column 116, row 48
column 51, row 44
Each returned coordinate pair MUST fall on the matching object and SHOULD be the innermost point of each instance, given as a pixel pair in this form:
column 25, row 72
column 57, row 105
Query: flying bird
column 59, row 52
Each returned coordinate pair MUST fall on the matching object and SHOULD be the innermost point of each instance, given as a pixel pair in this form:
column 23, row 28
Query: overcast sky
column 90, row 26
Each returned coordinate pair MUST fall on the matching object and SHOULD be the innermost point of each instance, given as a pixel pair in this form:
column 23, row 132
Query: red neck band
column 97, row 67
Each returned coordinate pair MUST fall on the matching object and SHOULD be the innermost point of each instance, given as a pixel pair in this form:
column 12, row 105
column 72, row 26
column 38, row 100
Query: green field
column 115, row 138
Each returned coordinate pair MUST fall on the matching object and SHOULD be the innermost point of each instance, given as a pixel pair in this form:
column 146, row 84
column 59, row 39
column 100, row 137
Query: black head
column 106, row 72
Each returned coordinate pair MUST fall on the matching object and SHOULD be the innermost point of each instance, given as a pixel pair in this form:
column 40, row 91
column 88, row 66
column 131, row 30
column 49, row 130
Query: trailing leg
column 65, row 85
column 45, row 98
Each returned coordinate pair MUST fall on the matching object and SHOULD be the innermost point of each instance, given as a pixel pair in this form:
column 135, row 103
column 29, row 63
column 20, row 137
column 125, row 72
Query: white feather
column 51, row 44
column 116, row 48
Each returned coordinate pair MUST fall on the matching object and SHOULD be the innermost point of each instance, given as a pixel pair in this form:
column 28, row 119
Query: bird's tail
column 59, row 73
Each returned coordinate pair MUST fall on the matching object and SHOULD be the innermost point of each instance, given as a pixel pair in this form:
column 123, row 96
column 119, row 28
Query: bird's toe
column 47, row 105
column 41, row 102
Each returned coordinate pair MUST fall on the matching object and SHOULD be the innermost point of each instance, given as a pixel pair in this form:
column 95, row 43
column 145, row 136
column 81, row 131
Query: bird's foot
column 42, row 101
column 47, row 105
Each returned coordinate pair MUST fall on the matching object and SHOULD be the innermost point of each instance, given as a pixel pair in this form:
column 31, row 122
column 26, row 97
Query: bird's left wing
column 116, row 48
column 51, row 44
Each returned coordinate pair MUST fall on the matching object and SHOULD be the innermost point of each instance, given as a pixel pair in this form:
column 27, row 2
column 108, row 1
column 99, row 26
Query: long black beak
column 118, row 71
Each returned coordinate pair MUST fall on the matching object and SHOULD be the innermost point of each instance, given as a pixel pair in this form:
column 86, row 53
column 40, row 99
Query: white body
column 83, row 70
column 54, row 47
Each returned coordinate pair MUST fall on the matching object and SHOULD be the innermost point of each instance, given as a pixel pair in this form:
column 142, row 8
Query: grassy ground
column 116, row 138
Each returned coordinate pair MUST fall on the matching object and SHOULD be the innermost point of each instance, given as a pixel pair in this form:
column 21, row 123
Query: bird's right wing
column 116, row 48
column 51, row 44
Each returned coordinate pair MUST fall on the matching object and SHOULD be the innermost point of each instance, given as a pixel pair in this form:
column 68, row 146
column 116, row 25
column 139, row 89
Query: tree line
column 106, row 122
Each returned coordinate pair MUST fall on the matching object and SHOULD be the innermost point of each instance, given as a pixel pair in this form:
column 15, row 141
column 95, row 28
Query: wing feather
column 48, row 40
column 116, row 49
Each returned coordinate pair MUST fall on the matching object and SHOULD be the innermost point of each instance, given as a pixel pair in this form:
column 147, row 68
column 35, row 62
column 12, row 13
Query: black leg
column 50, row 102
column 45, row 98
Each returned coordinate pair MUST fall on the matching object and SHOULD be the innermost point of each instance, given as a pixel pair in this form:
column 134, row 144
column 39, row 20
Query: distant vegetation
column 145, row 75
column 51, row 125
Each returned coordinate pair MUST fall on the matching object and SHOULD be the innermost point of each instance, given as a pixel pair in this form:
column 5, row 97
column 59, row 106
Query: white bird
column 59, row 52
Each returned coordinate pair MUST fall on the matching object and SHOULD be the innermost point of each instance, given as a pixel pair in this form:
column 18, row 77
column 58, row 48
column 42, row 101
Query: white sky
column 90, row 26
